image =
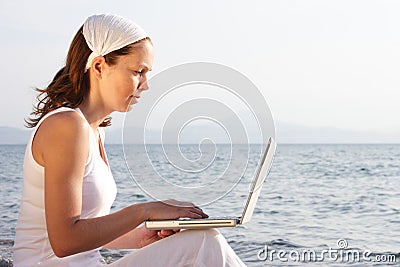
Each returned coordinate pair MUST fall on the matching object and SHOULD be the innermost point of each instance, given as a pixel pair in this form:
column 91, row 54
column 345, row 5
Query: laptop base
column 191, row 224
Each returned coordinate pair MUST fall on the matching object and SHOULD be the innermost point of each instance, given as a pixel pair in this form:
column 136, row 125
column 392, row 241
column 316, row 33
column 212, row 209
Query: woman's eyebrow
column 144, row 66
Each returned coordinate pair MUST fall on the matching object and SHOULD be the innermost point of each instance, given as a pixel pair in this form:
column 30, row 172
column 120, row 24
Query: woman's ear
column 97, row 66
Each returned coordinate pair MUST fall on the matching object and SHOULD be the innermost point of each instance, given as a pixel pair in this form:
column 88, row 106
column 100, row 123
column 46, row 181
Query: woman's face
column 123, row 82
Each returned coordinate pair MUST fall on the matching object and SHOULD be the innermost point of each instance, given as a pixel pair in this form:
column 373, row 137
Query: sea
column 322, row 204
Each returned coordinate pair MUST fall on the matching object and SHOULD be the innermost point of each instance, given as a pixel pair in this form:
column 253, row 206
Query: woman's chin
column 129, row 107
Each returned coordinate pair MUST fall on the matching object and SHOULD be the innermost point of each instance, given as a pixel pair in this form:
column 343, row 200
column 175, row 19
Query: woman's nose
column 143, row 83
column 143, row 86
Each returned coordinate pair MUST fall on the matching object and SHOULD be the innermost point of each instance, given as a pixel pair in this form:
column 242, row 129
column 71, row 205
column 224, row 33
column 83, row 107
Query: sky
column 319, row 64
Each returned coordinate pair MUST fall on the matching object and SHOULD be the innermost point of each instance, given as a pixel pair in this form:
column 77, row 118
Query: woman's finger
column 165, row 233
column 199, row 212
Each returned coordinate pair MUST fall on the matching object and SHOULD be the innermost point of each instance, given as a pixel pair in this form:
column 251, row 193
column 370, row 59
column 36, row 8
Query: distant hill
column 13, row 136
column 285, row 133
column 292, row 134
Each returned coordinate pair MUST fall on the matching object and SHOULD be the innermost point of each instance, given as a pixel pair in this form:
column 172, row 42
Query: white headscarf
column 106, row 33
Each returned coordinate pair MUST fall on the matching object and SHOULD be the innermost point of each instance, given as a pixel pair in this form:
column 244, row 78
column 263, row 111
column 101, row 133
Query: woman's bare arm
column 61, row 146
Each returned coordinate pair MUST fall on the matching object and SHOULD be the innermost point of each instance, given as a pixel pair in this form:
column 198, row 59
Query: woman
column 68, row 191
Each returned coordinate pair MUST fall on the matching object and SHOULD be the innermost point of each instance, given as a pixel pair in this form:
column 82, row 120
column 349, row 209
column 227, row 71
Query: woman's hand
column 138, row 238
column 164, row 210
column 146, row 237
column 172, row 209
column 161, row 210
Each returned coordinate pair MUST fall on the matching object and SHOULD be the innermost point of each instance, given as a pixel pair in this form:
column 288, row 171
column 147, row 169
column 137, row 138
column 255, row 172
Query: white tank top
column 32, row 247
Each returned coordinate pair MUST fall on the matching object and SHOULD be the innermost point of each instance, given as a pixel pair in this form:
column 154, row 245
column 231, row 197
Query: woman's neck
column 93, row 114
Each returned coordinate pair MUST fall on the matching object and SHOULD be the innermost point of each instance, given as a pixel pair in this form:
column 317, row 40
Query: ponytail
column 69, row 87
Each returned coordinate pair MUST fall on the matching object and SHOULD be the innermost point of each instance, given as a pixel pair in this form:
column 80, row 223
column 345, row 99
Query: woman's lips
column 133, row 99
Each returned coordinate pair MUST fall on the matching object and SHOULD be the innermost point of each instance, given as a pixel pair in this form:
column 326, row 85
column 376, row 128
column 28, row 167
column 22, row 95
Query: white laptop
column 188, row 223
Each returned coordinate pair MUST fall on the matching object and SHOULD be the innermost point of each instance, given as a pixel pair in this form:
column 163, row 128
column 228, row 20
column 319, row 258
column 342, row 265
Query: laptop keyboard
column 212, row 218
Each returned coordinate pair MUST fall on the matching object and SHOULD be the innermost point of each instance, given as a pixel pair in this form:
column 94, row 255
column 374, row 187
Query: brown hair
column 70, row 86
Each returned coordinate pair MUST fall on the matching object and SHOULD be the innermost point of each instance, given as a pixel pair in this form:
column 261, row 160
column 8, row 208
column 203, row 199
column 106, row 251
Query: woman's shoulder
column 60, row 132
column 68, row 123
column 68, row 119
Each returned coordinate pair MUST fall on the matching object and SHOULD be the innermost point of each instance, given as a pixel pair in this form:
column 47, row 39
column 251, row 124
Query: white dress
column 32, row 247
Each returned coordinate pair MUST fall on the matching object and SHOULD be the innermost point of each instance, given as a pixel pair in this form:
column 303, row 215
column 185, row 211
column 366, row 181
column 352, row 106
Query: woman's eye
column 140, row 73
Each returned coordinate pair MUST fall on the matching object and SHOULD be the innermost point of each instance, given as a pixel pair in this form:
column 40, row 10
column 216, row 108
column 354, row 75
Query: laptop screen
column 258, row 181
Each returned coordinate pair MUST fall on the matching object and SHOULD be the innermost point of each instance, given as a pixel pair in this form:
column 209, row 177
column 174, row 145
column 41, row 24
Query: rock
column 5, row 262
